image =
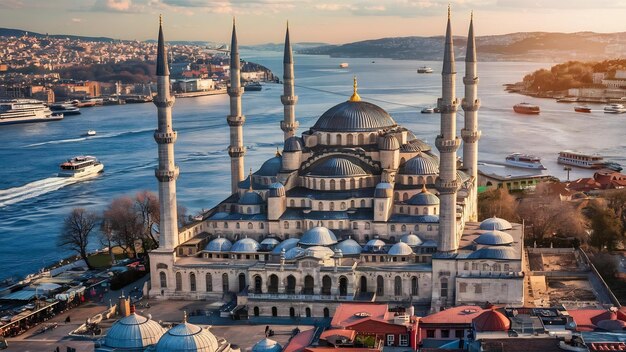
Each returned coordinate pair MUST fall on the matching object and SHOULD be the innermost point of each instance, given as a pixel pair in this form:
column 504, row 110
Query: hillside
column 10, row 32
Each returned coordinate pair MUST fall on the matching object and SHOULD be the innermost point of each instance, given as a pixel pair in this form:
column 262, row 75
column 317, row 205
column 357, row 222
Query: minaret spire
column 165, row 137
column 447, row 143
column 289, row 125
column 355, row 87
column 235, row 119
column 471, row 104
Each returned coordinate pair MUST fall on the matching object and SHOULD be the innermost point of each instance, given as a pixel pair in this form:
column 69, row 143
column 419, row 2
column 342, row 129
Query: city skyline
column 262, row 21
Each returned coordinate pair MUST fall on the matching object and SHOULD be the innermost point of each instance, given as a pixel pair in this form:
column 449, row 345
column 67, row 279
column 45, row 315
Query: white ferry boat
column 424, row 69
column 64, row 109
column 344, row 65
column 587, row 161
column 615, row 109
column 81, row 166
column 524, row 161
column 24, row 111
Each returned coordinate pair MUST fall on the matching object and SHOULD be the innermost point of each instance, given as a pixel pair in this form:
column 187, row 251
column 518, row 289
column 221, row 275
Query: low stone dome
column 134, row 333
column 494, row 238
column 491, row 320
column 245, row 245
column 294, row 252
column 389, row 142
column 423, row 198
column 374, row 244
column 267, row 345
column 186, row 337
column 271, row 167
column 286, row 245
column 400, row 248
column 251, row 198
column 318, row 236
column 503, row 252
column 219, row 244
column 495, row 223
column 354, row 116
column 349, row 247
column 421, row 164
column 319, row 252
column 383, row 190
column 411, row 239
column 414, row 145
column 336, row 167
column 293, row 144
column 269, row 243
column 277, row 189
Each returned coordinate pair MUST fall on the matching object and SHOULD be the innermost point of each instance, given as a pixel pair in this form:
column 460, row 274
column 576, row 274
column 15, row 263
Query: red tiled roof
column 338, row 332
column 354, row 313
column 588, row 319
column 299, row 342
column 455, row 315
column 607, row 346
column 491, row 320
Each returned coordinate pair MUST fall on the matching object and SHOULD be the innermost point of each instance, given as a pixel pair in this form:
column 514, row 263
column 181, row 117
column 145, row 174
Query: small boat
column 253, row 87
column 584, row 160
column 428, row 110
column 615, row 109
column 89, row 133
column 81, row 166
column 611, row 165
column 582, row 108
column 526, row 108
column 66, row 108
column 343, row 65
column 524, row 161
column 424, row 69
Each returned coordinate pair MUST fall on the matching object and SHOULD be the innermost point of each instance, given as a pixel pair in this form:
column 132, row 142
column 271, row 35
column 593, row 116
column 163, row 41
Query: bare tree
column 76, row 231
column 548, row 216
column 148, row 208
column 125, row 223
column 497, row 202
column 107, row 238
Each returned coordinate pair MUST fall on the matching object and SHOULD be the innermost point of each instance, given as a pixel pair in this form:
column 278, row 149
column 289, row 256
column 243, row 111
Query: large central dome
column 354, row 116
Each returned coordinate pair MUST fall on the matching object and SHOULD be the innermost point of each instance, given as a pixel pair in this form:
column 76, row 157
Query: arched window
column 350, row 139
column 342, row 184
column 403, row 228
column 343, row 206
column 272, row 286
column 192, row 282
column 242, row 282
column 417, row 227
column 291, row 285
column 362, row 203
column 332, row 184
column 393, row 228
column 326, row 285
column 496, row 267
column 179, row 281
column 249, row 226
column 463, row 287
column 326, row 313
column 401, row 210
column 261, row 225
column 274, row 312
column 323, row 184
column 339, row 139
column 367, row 225
column 209, row 282
column 328, row 139
column 352, row 204
column 309, row 284
column 425, row 211
column 258, row 284
column 397, row 286
column 485, row 267
column 332, row 206
column 380, row 286
column 302, row 203
column 466, row 266
column 286, row 225
column 298, row 226
column 352, row 184
column 292, row 312
column 237, row 225
column 507, row 267
column 372, row 138
column 343, row 286
column 363, row 286
column 430, row 227
column 414, row 286
column 225, row 225
column 410, row 180
column 224, row 282
column 248, row 210
column 405, row 196
column 163, row 279
column 331, row 225
column 256, row 311
column 307, row 312
column 355, row 225
column 320, row 206
column 444, row 287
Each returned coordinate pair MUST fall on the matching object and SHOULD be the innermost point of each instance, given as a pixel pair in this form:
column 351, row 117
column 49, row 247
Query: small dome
column 389, row 142
column 318, row 236
column 415, row 145
column 424, row 198
column 421, row 164
column 293, row 253
column 286, row 244
column 400, row 248
column 267, row 345
column 383, row 190
column 494, row 238
column 491, row 320
column 494, row 253
column 187, row 337
column 354, row 116
column 251, row 198
column 277, row 189
column 133, row 332
column 349, row 247
column 612, row 325
column 495, row 223
column 245, row 245
column 319, row 252
column 219, row 245
column 269, row 243
column 338, row 167
column 411, row 239
column 271, row 167
column 374, row 245
column 293, row 144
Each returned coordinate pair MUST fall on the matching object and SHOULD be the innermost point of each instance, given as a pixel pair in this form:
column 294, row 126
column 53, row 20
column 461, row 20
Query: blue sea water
column 33, row 202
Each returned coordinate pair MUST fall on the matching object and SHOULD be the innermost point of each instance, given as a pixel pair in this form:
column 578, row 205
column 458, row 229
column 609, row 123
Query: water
column 33, row 201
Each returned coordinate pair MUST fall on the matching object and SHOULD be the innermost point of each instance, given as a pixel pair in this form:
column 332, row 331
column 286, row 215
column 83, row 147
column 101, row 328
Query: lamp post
column 568, row 169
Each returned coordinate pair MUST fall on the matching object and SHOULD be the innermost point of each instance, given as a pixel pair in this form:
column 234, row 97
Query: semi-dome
column 354, row 116
column 411, row 239
column 293, row 144
column 494, row 238
column 245, row 245
column 267, row 345
column 286, row 244
column 186, row 337
column 219, row 244
column 337, row 167
column 349, row 247
column 293, row 252
column 269, row 243
column 424, row 198
column 271, row 167
column 374, row 245
column 495, row 253
column 389, row 142
column 415, row 145
column 277, row 189
column 133, row 332
column 495, row 223
column 491, row 320
column 251, row 198
column 400, row 248
column 421, row 164
column 319, row 252
column 318, row 236
column 383, row 190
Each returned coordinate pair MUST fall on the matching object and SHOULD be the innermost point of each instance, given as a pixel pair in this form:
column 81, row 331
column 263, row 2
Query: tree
column 546, row 217
column 616, row 200
column 497, row 202
column 148, row 208
column 106, row 238
column 76, row 231
column 126, row 225
column 607, row 230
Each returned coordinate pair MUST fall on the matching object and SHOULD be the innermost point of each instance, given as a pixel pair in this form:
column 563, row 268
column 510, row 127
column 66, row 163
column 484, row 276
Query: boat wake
column 98, row 136
column 34, row 189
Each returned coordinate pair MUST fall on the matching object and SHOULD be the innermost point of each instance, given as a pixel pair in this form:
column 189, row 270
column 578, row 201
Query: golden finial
column 250, row 178
column 277, row 152
column 355, row 96
column 424, row 189
column 160, row 20
column 184, row 316
column 448, row 10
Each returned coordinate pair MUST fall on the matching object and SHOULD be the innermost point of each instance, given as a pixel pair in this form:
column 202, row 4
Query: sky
column 328, row 21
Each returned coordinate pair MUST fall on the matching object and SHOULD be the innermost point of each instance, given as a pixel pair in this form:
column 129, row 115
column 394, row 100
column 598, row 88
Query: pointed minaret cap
column 448, row 53
column 234, row 48
column 184, row 316
column 355, row 95
column 161, row 62
column 288, row 57
column 470, row 55
column 250, row 178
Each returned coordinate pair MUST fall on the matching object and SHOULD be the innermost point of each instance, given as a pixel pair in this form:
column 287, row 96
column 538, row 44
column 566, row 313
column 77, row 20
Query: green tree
column 607, row 230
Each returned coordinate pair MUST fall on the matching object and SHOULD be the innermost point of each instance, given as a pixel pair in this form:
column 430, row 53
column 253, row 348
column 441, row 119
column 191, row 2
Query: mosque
column 354, row 209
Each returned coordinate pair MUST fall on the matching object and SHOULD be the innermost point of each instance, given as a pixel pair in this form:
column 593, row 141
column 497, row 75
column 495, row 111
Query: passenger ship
column 24, row 111
column 524, row 161
column 526, row 108
column 588, row 161
column 81, row 166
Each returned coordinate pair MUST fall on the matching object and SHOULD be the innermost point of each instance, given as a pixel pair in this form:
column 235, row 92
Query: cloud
column 332, row 7
column 77, row 20
column 115, row 6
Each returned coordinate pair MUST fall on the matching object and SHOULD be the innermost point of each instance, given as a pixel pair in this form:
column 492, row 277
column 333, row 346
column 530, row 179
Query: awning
column 22, row 295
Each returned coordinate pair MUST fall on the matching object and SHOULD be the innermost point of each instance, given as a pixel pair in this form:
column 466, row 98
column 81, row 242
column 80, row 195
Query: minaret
column 289, row 99
column 471, row 104
column 235, row 120
column 165, row 137
column 447, row 143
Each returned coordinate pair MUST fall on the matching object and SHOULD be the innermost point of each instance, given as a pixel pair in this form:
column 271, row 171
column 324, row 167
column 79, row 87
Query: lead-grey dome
column 286, row 244
column 187, row 337
column 415, row 145
column 277, row 189
column 423, row 198
column 251, row 198
column 337, row 167
column 245, row 245
column 504, row 252
column 354, row 116
column 318, row 236
column 400, row 248
column 293, row 253
column 133, row 333
column 389, row 142
column 421, row 164
column 494, row 238
column 293, row 144
column 349, row 247
column 495, row 223
column 267, row 345
column 411, row 239
column 383, row 190
column 270, row 167
column 218, row 245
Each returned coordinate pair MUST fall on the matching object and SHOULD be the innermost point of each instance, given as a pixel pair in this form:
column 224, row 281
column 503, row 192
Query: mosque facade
column 354, row 209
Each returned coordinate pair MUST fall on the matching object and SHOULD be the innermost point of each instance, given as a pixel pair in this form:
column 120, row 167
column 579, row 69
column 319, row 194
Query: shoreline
column 560, row 96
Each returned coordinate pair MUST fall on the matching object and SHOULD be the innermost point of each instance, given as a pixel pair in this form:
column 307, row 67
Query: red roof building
column 491, row 320
column 453, row 323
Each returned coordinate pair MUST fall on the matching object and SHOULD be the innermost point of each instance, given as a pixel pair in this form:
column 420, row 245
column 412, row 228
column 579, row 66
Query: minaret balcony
column 468, row 81
column 235, row 91
column 289, row 126
column 470, row 136
column 289, row 99
column 235, row 120
column 448, row 107
column 470, row 106
column 165, row 137
column 236, row 152
column 447, row 145
column 167, row 103
column 167, row 175
column 446, row 186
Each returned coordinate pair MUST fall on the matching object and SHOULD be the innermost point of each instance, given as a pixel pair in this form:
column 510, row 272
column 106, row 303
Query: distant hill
column 280, row 46
column 10, row 32
column 525, row 46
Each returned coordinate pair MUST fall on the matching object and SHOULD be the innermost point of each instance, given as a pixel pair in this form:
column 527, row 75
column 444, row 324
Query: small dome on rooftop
column 293, row 144
column 133, row 332
column 251, row 198
column 494, row 238
column 277, row 189
column 389, row 142
column 349, row 247
column 502, row 252
column 424, row 197
column 267, row 345
column 318, row 236
column 421, row 164
column 495, row 223
column 245, row 245
column 383, row 190
column 286, row 245
column 491, row 320
column 271, row 167
column 218, row 245
column 186, row 337
column 411, row 239
column 400, row 248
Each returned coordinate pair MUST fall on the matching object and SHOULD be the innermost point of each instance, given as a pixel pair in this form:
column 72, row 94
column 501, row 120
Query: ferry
column 81, row 166
column 428, row 110
column 343, row 65
column 424, row 69
column 615, row 109
column 253, row 87
column 524, row 161
column 64, row 109
column 582, row 108
column 24, row 111
column 89, row 133
column 587, row 161
column 526, row 108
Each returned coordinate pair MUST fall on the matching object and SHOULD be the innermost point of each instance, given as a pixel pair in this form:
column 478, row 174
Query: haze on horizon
column 331, row 21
